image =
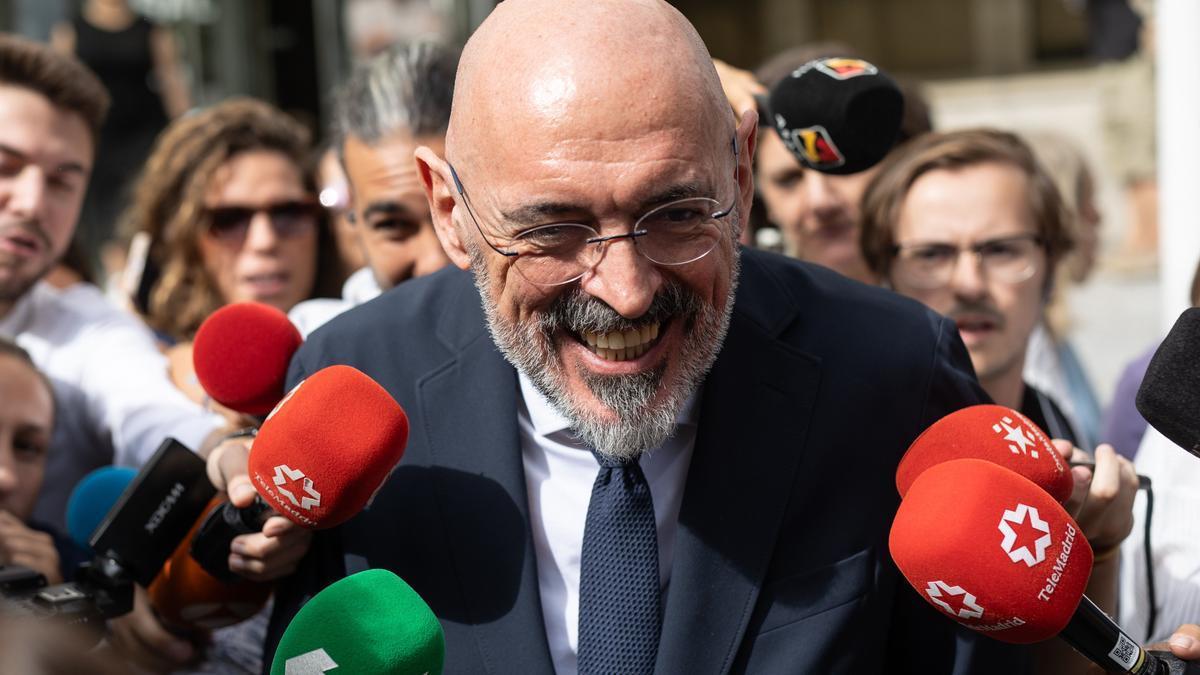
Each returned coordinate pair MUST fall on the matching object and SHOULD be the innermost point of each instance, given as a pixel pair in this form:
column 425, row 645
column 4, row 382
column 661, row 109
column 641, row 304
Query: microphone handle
column 1099, row 639
column 210, row 547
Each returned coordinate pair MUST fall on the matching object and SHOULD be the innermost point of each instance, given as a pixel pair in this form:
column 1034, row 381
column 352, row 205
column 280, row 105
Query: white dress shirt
column 559, row 473
column 115, row 401
column 1174, row 540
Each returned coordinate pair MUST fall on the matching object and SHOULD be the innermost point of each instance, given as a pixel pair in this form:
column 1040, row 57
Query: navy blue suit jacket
column 781, row 562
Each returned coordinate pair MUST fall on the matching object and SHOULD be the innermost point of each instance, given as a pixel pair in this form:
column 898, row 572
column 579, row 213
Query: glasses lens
column 553, row 254
column 229, row 222
column 1009, row 261
column 679, row 232
column 292, row 218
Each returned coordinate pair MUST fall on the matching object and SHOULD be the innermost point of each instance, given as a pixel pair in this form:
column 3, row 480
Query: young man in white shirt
column 115, row 401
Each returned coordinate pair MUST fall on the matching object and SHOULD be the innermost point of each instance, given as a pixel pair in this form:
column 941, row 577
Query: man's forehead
column 31, row 125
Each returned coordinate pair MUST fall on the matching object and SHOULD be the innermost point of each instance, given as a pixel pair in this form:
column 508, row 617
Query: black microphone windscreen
column 837, row 115
column 1169, row 397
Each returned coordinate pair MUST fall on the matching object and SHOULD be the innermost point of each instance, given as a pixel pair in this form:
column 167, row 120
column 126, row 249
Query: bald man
column 635, row 447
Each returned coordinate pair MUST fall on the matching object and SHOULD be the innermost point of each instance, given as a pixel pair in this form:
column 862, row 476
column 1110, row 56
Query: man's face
column 26, row 419
column 391, row 213
column 663, row 325
column 817, row 213
column 965, row 207
column 45, row 161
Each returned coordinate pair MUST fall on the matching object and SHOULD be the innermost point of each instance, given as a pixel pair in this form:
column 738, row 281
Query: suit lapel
column 754, row 418
column 469, row 411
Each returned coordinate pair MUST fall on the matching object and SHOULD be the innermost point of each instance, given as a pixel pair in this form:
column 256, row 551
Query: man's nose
column 27, row 192
column 823, row 196
column 623, row 279
column 967, row 277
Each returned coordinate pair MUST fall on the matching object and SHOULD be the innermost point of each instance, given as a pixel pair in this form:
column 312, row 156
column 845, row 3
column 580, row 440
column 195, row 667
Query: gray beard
column 641, row 423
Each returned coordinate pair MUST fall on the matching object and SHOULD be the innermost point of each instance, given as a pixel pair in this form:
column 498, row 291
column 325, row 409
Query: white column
column 1177, row 23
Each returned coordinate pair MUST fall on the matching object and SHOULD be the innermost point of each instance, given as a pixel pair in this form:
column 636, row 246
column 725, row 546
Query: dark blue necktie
column 619, row 617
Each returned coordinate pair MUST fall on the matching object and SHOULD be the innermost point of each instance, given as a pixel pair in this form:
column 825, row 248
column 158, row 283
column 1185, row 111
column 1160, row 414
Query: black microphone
column 1169, row 397
column 837, row 115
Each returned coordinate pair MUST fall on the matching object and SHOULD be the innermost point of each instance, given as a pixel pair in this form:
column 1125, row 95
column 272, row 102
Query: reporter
column 26, row 424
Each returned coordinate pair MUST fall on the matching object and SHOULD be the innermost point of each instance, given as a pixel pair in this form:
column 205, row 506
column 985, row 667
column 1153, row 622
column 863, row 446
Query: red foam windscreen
column 185, row 595
column 994, row 433
column 327, row 447
column 991, row 550
column 241, row 355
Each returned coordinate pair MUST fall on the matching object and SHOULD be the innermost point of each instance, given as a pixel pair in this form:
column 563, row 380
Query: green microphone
column 371, row 623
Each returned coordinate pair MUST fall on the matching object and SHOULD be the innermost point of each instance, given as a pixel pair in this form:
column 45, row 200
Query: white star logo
column 970, row 608
column 1017, row 516
column 1019, row 440
column 284, row 474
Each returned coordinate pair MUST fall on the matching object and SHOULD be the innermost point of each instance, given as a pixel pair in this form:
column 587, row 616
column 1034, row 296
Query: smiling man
column 635, row 446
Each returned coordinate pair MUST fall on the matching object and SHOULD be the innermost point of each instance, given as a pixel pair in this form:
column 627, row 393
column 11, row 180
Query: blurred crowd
column 128, row 216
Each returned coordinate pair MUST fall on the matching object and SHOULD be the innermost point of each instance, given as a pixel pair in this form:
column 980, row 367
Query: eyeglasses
column 928, row 266
column 231, row 224
column 672, row 234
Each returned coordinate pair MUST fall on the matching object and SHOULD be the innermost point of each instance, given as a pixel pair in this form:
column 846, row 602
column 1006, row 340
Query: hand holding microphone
column 318, row 459
column 1012, row 564
column 1101, row 497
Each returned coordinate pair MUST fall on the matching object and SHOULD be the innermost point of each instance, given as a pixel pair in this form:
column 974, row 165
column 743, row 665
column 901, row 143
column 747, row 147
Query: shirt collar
column 546, row 420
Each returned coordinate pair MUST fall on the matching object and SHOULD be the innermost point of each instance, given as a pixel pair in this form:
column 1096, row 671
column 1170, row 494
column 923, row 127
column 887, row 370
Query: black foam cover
column 837, row 115
column 1169, row 397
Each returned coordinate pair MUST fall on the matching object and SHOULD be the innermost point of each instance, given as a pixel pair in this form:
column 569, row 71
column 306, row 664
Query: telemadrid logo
column 1024, row 515
column 939, row 589
column 1020, row 441
column 285, row 474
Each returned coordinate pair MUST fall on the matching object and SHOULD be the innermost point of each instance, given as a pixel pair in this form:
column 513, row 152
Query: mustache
column 30, row 228
column 976, row 309
column 577, row 311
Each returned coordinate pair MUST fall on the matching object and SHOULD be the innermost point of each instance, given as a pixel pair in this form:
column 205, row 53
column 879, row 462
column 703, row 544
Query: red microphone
column 994, row 433
column 241, row 355
column 318, row 459
column 997, row 554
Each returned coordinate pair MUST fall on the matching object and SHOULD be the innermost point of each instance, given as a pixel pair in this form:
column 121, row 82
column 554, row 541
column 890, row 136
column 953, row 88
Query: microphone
column 318, row 459
column 370, row 623
column 1010, row 564
column 837, row 115
column 91, row 500
column 1169, row 397
column 994, row 433
column 186, row 596
column 241, row 355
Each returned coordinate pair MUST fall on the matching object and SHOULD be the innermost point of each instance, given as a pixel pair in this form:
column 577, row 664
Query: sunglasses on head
column 287, row 218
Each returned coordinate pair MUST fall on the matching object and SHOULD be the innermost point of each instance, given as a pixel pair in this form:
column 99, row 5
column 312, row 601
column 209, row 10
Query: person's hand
column 24, row 546
column 273, row 553
column 277, row 549
column 740, row 87
column 1185, row 643
column 1102, row 501
column 140, row 637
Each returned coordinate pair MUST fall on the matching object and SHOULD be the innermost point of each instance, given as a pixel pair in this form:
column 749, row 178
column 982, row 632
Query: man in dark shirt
column 980, row 194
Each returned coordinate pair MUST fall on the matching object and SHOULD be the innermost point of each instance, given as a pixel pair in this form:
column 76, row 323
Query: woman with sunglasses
column 230, row 207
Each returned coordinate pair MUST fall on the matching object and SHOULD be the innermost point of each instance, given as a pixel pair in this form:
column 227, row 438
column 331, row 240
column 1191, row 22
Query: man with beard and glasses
column 634, row 446
column 114, row 399
column 981, row 195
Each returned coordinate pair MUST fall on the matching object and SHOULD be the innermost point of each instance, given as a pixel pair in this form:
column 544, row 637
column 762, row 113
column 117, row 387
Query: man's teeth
column 622, row 345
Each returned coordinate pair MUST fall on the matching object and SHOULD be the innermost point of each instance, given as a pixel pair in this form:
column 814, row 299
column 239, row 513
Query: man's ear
column 747, row 139
column 440, row 191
